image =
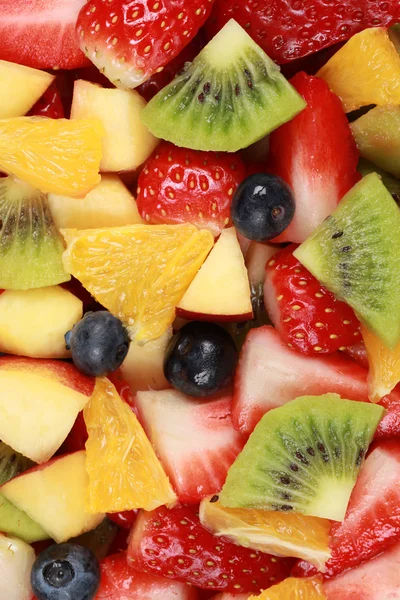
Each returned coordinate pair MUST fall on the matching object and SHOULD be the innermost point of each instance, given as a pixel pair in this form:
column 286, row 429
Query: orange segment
column 54, row 155
column 272, row 532
column 366, row 70
column 138, row 272
column 384, row 366
column 294, row 589
column 124, row 471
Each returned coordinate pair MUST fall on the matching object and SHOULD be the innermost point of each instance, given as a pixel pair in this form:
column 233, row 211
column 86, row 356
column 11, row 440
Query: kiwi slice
column 12, row 520
column 229, row 97
column 303, row 457
column 391, row 183
column 30, row 245
column 377, row 137
column 355, row 253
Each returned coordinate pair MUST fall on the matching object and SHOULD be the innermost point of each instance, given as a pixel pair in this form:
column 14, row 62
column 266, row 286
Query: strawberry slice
column 270, row 374
column 49, row 105
column 174, row 544
column 120, row 582
column 372, row 521
column 41, row 33
column 315, row 153
column 290, row 29
column 130, row 40
column 307, row 316
column 179, row 185
column 195, row 440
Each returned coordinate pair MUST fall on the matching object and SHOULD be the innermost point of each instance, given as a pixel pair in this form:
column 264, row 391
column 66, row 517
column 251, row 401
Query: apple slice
column 109, row 204
column 21, row 87
column 220, row 291
column 143, row 368
column 16, row 560
column 53, row 310
column 53, row 495
column 39, row 402
column 127, row 142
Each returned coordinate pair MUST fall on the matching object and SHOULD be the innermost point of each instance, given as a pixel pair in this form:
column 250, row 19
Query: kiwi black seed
column 230, row 96
column 30, row 245
column 303, row 457
column 361, row 265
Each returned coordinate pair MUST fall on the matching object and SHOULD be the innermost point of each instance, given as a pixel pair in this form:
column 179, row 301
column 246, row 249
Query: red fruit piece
column 315, row 153
column 49, row 105
column 178, row 185
column 194, row 439
column 172, row 543
column 120, row 582
column 270, row 374
column 124, row 519
column 307, row 316
column 130, row 40
column 290, row 29
column 40, row 33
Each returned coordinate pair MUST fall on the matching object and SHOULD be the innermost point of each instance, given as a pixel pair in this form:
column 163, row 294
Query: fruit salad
column 199, row 300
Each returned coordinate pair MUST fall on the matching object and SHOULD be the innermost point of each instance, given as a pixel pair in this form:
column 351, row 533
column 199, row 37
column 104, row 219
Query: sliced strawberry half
column 372, row 521
column 41, row 33
column 269, row 374
column 194, row 439
column 173, row 543
column 315, row 153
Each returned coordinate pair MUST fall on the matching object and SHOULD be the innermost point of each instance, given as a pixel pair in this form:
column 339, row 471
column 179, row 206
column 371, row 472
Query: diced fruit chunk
column 54, row 155
column 366, row 70
column 16, row 560
column 47, row 396
column 194, row 439
column 220, row 291
column 294, row 589
column 108, row 204
column 143, row 368
column 138, row 272
column 21, row 88
column 124, row 471
column 53, row 310
column 384, row 366
column 269, row 531
column 53, row 495
column 127, row 143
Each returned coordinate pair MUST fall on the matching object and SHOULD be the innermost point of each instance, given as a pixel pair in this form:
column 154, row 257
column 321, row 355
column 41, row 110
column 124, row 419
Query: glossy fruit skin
column 262, row 207
column 49, row 105
column 99, row 343
column 200, row 360
column 67, row 571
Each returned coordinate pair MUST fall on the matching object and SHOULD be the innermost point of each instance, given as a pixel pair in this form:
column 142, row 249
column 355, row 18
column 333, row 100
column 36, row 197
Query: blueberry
column 99, row 343
column 65, row 572
column 262, row 207
column 201, row 359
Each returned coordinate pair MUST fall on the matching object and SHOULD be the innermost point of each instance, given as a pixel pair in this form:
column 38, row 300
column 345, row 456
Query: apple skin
column 193, row 316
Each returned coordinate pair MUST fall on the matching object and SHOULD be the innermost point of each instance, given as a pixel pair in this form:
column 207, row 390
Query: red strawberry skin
column 267, row 363
column 290, row 29
column 49, row 105
column 130, row 40
column 315, row 153
column 372, row 521
column 41, row 33
column 178, row 185
column 307, row 316
column 173, row 543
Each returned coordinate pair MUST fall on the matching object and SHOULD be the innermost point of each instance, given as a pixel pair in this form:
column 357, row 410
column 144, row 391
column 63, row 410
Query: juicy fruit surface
column 269, row 531
column 307, row 316
column 365, row 71
column 54, row 155
column 384, row 366
column 124, row 471
column 138, row 272
column 24, row 87
column 162, row 542
column 303, row 457
column 294, row 589
column 353, row 254
column 287, row 30
column 316, row 155
column 16, row 560
column 226, row 99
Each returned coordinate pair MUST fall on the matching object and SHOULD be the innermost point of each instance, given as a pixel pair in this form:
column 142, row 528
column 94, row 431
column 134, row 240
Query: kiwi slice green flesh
column 355, row 253
column 377, row 137
column 391, row 183
column 30, row 245
column 229, row 97
column 303, row 457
